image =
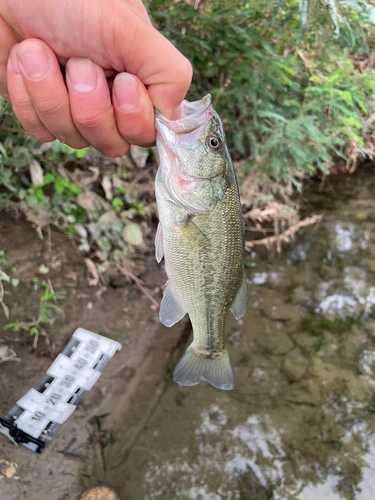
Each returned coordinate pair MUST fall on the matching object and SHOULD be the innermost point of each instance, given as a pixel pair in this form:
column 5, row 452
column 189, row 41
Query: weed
column 46, row 310
column 244, row 358
column 316, row 324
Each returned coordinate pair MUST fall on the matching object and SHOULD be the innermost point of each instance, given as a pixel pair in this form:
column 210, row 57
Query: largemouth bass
column 201, row 236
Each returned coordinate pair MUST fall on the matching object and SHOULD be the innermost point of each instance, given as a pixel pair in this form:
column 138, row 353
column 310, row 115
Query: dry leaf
column 93, row 271
column 36, row 173
column 6, row 353
column 107, row 186
column 139, row 155
column 92, row 202
column 11, row 470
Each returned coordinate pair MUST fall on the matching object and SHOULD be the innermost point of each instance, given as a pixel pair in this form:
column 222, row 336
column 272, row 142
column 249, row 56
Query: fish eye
column 214, row 142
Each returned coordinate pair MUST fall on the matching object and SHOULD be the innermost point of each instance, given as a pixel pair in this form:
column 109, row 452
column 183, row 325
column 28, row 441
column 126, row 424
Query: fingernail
column 126, row 92
column 13, row 58
column 33, row 60
column 82, row 74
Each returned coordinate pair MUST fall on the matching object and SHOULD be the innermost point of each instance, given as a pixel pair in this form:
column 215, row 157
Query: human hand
column 94, row 40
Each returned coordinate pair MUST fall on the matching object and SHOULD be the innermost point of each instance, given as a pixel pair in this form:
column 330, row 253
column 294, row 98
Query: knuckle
column 186, row 71
column 136, row 133
column 50, row 107
column 22, row 105
column 41, row 135
column 139, row 135
column 89, row 122
column 76, row 142
column 115, row 151
column 4, row 91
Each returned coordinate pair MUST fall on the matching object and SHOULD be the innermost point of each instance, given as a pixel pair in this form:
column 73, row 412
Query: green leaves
column 59, row 148
column 46, row 309
column 281, row 75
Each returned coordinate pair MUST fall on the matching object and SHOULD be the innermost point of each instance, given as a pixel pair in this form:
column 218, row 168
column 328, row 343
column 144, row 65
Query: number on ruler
column 80, row 363
column 92, row 346
column 53, row 399
column 67, row 380
column 38, row 415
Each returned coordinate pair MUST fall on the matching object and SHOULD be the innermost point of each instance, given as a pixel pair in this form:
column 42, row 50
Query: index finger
column 7, row 40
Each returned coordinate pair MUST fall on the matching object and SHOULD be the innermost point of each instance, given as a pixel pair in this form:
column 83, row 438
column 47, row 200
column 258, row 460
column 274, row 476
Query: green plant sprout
column 45, row 313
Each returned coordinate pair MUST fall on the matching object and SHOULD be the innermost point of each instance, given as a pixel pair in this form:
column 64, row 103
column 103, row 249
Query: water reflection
column 300, row 423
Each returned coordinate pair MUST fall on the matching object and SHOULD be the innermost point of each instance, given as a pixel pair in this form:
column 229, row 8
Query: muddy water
column 300, row 423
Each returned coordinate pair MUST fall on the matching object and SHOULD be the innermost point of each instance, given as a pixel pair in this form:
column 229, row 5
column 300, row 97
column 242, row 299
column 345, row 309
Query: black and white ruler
column 36, row 416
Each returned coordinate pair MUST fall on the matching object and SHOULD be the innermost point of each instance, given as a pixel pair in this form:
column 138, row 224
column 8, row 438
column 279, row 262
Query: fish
column 201, row 236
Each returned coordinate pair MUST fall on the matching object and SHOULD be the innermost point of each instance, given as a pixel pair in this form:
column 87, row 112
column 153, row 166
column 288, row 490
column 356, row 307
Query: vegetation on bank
column 282, row 76
column 293, row 81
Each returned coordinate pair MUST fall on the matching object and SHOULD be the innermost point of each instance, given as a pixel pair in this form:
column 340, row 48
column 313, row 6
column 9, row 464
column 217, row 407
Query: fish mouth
column 187, row 117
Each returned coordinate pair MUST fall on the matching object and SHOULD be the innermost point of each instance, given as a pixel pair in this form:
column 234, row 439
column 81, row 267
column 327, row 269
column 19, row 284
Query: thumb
column 174, row 78
column 159, row 65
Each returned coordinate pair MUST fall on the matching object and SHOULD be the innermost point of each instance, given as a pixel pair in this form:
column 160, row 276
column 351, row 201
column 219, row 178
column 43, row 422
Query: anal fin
column 238, row 307
column 171, row 311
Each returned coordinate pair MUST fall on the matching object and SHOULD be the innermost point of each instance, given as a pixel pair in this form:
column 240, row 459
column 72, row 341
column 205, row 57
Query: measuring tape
column 35, row 418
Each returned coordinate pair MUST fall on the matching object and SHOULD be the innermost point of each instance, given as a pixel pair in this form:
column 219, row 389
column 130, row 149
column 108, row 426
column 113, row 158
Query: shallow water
column 300, row 423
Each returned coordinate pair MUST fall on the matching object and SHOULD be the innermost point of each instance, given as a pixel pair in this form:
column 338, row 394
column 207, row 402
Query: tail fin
column 192, row 369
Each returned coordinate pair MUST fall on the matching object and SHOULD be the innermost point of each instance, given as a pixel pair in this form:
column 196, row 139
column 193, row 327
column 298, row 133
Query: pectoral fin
column 159, row 245
column 238, row 307
column 171, row 311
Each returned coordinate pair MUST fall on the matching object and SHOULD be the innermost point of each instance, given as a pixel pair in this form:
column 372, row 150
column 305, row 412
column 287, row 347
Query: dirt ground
column 87, row 446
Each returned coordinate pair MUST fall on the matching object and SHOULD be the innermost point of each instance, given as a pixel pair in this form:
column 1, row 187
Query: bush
column 280, row 74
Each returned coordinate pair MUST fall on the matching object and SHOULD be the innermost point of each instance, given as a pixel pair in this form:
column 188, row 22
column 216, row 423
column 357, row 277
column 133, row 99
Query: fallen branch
column 286, row 236
column 138, row 283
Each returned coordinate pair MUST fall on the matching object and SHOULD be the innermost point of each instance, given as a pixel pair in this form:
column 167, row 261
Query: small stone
column 99, row 493
column 304, row 340
column 43, row 269
column 329, row 345
column 307, row 395
column 276, row 360
column 328, row 272
column 275, row 341
column 299, row 294
column 321, row 290
column 294, row 364
column 322, row 370
column 357, row 337
column 283, row 312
